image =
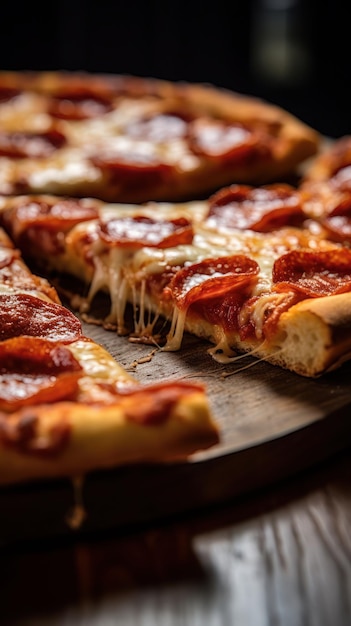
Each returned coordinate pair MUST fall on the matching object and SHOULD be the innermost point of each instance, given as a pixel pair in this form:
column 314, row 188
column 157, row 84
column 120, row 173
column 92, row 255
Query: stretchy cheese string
column 255, row 362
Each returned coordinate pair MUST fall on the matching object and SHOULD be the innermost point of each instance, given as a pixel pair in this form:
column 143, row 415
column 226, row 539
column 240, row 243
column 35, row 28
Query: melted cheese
column 70, row 168
column 26, row 112
column 175, row 335
column 257, row 312
column 9, row 290
column 97, row 362
column 123, row 271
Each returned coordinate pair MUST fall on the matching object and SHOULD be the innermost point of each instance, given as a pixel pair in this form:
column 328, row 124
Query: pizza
column 66, row 406
column 260, row 270
column 173, row 204
column 132, row 139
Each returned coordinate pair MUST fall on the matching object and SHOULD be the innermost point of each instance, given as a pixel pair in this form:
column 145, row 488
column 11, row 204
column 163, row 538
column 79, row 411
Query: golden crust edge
column 103, row 438
column 314, row 336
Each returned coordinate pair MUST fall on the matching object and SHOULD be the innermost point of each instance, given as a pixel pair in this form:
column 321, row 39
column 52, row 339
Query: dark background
column 292, row 52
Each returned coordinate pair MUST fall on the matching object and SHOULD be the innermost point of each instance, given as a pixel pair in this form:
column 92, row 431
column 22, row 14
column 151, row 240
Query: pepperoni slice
column 20, row 145
column 8, row 93
column 312, row 273
column 159, row 128
column 133, row 167
column 34, row 371
column 14, row 273
column 212, row 278
column 24, row 314
column 262, row 209
column 58, row 215
column 39, row 224
column 79, row 105
column 220, row 139
column 338, row 222
column 143, row 231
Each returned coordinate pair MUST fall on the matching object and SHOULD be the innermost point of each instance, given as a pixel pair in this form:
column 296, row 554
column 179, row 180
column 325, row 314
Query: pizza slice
column 130, row 139
column 251, row 270
column 66, row 406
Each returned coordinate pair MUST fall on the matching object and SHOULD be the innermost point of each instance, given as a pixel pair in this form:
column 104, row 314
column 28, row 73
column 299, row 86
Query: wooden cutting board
column 272, row 423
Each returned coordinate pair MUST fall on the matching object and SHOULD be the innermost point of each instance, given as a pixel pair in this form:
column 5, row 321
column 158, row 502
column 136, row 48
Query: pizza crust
column 102, row 437
column 297, row 140
column 311, row 338
column 314, row 336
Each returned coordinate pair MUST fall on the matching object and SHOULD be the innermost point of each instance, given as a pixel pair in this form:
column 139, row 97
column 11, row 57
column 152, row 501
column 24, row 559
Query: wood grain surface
column 278, row 557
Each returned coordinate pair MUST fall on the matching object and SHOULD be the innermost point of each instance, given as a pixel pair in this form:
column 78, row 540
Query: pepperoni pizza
column 129, row 139
column 66, row 406
column 258, row 267
column 264, row 270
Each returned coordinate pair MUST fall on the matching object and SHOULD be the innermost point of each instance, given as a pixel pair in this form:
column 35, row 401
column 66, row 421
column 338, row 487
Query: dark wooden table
column 279, row 556
column 256, row 532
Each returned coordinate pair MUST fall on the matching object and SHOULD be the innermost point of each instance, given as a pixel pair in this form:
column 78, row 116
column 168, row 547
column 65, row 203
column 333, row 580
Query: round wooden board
column 272, row 424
